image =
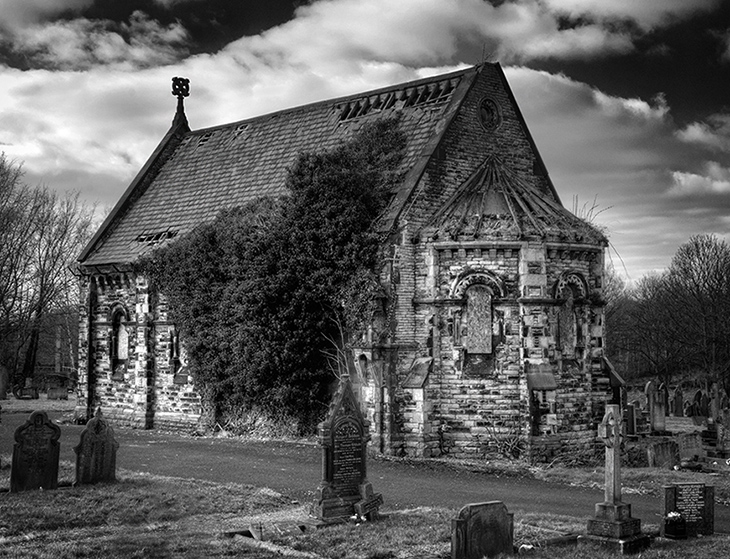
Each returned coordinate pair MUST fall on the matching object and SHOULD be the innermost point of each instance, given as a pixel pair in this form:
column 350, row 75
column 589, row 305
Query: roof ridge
column 334, row 101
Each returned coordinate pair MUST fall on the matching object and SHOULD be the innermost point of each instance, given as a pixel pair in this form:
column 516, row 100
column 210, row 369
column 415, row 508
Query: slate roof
column 496, row 202
column 192, row 175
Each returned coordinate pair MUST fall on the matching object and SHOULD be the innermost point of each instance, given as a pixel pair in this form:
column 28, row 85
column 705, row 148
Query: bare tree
column 41, row 233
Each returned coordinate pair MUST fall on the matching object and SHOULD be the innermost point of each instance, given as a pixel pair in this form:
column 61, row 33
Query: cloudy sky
column 628, row 100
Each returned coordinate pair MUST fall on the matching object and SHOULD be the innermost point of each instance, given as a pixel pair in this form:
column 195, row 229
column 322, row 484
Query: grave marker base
column 623, row 546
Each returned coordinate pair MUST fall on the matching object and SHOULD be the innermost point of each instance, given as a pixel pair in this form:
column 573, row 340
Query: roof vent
column 433, row 93
column 152, row 239
column 204, row 138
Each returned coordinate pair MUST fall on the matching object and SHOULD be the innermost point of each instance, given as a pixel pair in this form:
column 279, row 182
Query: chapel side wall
column 177, row 403
column 146, row 394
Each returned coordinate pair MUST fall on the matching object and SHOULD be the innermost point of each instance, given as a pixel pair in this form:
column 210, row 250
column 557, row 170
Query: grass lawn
column 159, row 517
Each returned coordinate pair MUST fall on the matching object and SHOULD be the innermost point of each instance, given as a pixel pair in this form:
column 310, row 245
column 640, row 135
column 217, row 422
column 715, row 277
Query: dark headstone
column 678, row 403
column 705, row 406
column 663, row 454
column 96, row 453
column 630, row 412
column 482, row 530
column 344, row 490
column 695, row 502
column 35, row 454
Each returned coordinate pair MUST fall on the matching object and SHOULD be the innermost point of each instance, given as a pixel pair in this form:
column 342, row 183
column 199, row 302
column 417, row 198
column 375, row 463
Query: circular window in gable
column 490, row 116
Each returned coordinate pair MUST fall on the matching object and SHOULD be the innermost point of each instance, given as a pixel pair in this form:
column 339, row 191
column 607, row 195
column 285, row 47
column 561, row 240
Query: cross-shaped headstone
column 610, row 431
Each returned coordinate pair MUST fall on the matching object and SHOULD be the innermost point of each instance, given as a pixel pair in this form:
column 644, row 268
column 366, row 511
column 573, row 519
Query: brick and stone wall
column 145, row 392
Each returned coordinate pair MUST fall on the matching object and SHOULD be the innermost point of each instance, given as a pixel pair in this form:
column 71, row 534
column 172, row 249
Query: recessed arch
column 573, row 281
column 467, row 280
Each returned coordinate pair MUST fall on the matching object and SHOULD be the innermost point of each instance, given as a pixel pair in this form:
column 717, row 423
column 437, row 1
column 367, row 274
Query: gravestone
column 658, row 413
column 663, row 454
column 690, row 446
column 96, row 453
column 695, row 502
column 630, row 419
column 482, row 530
column 344, row 490
column 678, row 403
column 613, row 527
column 35, row 454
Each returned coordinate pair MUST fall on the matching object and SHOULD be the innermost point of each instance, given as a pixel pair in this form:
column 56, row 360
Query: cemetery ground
column 172, row 504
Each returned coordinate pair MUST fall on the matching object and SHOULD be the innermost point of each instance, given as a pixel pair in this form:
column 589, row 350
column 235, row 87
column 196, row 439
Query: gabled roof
column 496, row 202
column 193, row 175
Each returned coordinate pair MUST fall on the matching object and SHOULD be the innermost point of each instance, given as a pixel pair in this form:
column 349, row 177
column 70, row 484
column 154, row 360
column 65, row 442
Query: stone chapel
column 489, row 330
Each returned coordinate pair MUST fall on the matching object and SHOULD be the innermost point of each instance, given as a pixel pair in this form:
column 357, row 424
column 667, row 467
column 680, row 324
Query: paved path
column 294, row 469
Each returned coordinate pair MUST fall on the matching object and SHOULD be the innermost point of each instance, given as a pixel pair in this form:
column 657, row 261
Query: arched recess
column 119, row 342
column 571, row 290
column 473, row 320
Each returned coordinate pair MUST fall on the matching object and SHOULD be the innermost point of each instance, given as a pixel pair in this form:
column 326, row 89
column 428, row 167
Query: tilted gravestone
column 613, row 527
column 482, row 530
column 695, row 503
column 344, row 490
column 663, row 454
column 96, row 453
column 35, row 454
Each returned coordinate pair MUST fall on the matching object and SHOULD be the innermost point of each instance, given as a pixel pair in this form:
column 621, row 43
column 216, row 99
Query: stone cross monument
column 613, row 527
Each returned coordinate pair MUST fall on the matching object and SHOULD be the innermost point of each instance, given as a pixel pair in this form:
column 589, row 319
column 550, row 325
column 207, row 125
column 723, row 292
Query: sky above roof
column 628, row 101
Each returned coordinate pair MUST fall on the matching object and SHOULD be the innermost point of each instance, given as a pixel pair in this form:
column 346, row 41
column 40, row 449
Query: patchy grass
column 140, row 516
column 150, row 516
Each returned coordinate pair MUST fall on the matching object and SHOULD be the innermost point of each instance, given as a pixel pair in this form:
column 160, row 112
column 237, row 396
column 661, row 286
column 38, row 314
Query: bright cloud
column 714, row 180
column 713, row 133
column 81, row 44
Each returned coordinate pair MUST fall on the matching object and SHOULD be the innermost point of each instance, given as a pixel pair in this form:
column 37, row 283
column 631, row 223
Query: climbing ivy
column 260, row 293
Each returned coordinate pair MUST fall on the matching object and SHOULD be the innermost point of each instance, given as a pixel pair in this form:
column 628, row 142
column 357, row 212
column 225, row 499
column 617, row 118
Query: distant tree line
column 41, row 234
column 675, row 325
column 267, row 293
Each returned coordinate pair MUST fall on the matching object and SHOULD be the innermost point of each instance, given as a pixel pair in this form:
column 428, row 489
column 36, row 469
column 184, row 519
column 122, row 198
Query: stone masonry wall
column 146, row 394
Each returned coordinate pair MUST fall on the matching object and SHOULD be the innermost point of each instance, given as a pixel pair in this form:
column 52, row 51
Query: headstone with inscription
column 344, row 490
column 695, row 503
column 96, row 453
column 613, row 527
column 35, row 454
column 690, row 446
column 482, row 530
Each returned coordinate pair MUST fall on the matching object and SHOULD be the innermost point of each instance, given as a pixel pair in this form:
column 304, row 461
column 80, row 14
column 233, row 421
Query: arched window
column 119, row 346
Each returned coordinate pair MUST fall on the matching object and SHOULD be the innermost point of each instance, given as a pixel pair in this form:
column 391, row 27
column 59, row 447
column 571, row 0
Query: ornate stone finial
column 180, row 87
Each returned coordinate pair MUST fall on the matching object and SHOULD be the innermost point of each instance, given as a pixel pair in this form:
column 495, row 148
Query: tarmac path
column 294, row 469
